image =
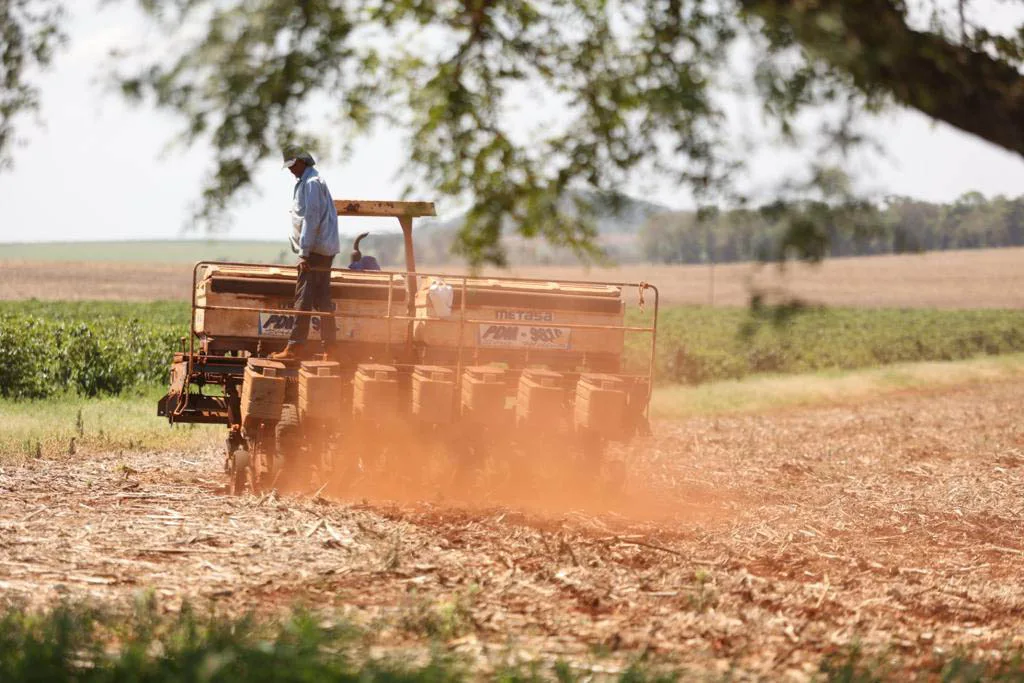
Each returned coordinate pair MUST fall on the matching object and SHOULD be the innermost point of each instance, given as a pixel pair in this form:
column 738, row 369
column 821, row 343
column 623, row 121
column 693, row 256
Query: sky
column 100, row 169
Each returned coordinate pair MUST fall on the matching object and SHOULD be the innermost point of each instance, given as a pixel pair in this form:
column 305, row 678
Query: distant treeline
column 899, row 225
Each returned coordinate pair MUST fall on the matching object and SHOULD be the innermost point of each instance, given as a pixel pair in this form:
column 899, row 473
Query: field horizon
column 984, row 278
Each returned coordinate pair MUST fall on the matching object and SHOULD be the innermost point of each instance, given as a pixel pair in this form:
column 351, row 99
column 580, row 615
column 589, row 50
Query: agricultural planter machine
column 465, row 367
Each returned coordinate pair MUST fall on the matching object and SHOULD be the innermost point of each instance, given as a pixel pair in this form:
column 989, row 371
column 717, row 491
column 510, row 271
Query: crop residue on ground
column 893, row 524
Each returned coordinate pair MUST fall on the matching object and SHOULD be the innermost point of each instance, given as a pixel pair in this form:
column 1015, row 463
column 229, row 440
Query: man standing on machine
column 314, row 237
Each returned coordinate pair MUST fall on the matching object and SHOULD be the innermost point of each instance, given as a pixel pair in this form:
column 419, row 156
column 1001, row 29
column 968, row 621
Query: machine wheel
column 260, row 445
column 239, row 471
column 286, row 432
column 287, row 439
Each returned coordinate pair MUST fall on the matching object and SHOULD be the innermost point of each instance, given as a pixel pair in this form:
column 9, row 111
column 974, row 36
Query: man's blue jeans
column 313, row 293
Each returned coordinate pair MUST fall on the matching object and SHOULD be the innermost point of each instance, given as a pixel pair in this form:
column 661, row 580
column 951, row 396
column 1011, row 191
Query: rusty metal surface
column 202, row 368
column 387, row 209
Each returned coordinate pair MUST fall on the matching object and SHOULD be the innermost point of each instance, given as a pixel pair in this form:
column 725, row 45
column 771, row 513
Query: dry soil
column 762, row 542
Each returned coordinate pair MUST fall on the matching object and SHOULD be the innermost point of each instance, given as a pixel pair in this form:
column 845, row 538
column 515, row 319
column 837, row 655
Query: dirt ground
column 992, row 278
column 761, row 542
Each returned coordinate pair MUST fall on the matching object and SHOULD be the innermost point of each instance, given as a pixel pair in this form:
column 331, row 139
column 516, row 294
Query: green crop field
column 152, row 313
column 86, row 348
column 105, row 348
column 699, row 344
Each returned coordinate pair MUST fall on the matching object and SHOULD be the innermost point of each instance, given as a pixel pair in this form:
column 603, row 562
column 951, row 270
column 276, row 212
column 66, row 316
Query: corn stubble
column 770, row 543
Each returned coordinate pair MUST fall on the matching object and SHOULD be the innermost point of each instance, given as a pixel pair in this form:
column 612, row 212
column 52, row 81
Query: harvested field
column 988, row 278
column 760, row 542
column 991, row 278
column 79, row 281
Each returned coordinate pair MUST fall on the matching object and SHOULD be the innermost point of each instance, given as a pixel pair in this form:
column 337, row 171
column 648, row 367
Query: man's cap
column 293, row 154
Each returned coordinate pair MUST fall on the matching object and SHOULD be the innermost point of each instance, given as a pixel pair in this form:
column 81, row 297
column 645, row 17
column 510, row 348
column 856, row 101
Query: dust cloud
column 550, row 474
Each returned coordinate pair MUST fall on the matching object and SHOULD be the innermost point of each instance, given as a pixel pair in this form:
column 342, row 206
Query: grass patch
column 85, row 645
column 73, row 643
column 46, row 427
column 72, row 424
column 443, row 620
column 768, row 392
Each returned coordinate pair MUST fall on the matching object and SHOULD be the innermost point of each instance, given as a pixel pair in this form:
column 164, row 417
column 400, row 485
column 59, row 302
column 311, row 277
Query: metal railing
column 465, row 282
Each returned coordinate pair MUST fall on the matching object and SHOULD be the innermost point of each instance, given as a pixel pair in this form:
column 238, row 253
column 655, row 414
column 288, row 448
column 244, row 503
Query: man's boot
column 290, row 352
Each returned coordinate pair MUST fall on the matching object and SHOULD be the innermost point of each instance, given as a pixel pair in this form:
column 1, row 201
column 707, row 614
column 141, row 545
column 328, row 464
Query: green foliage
column 626, row 89
column 104, row 348
column 30, row 32
column 857, row 55
column 74, row 643
column 445, row 620
column 69, row 644
column 26, row 366
column 514, row 104
column 149, row 312
column 621, row 81
column 88, row 348
column 852, row 665
column 701, row 344
column 77, row 643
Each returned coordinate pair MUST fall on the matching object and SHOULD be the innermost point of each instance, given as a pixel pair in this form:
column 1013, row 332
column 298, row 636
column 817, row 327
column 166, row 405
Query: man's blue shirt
column 314, row 218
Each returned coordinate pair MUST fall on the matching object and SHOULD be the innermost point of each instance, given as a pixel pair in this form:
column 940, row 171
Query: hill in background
column 627, row 218
column 618, row 222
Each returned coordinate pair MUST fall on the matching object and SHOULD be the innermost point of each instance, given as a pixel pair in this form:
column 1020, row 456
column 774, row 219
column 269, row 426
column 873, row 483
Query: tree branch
column 970, row 90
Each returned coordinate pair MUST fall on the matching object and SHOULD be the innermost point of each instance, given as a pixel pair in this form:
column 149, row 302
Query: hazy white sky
column 98, row 169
